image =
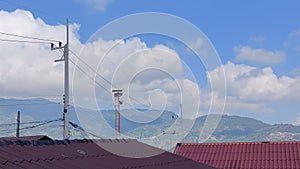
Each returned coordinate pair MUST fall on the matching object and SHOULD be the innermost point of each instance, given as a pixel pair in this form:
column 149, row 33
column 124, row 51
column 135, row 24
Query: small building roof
column 244, row 155
column 58, row 154
column 36, row 137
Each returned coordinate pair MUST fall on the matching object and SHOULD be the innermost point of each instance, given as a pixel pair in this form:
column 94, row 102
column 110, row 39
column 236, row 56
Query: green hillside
column 231, row 129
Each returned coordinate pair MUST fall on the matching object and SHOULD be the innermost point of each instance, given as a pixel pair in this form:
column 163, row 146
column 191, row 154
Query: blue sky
column 255, row 34
column 226, row 23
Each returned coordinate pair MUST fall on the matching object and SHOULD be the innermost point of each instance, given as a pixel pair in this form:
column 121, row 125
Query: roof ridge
column 5, row 142
column 226, row 143
column 20, row 142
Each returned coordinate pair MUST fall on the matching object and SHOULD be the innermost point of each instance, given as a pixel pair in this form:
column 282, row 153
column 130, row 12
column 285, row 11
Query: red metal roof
column 258, row 155
column 58, row 154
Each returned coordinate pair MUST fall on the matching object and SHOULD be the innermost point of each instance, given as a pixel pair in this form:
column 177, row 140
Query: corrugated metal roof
column 75, row 154
column 258, row 155
column 36, row 137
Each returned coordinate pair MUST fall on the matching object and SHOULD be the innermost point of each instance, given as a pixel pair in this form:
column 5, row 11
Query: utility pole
column 117, row 95
column 18, row 125
column 181, row 118
column 66, row 92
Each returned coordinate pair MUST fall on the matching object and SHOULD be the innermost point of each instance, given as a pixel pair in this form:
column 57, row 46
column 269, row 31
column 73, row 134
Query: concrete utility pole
column 66, row 95
column 18, row 125
column 117, row 95
column 181, row 119
column 66, row 103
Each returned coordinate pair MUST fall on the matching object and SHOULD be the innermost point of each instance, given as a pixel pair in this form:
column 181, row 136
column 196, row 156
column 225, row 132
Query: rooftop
column 33, row 154
column 243, row 155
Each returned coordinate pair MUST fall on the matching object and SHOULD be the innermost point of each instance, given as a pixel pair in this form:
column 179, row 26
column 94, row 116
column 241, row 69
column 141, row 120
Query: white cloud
column 251, row 83
column 257, row 39
column 154, row 74
column 128, row 62
column 146, row 74
column 239, row 106
column 250, row 88
column 98, row 5
column 262, row 56
column 197, row 44
column 29, row 70
column 295, row 72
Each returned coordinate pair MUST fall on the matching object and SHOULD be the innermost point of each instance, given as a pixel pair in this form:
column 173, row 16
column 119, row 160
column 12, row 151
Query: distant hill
column 233, row 129
column 230, row 128
column 244, row 129
column 34, row 116
column 38, row 108
column 41, row 109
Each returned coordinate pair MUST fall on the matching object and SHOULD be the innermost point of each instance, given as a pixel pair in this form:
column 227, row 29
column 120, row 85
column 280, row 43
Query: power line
column 28, row 37
column 23, row 41
column 28, row 122
column 77, row 127
column 29, row 104
column 28, row 100
column 90, row 67
column 103, row 78
column 48, row 42
column 91, row 78
column 31, row 98
column 32, row 126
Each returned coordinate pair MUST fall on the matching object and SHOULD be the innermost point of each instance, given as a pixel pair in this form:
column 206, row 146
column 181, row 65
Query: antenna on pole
column 117, row 95
column 65, row 58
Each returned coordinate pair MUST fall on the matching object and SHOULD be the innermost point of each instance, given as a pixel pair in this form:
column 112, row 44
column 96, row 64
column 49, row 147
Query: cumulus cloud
column 262, row 56
column 29, row 69
column 251, row 88
column 146, row 74
column 152, row 76
column 254, row 84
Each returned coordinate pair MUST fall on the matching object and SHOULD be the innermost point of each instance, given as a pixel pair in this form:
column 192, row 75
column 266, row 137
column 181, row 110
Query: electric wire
column 37, row 99
column 23, row 41
column 91, row 68
column 86, row 74
column 28, row 122
column 48, row 42
column 77, row 127
column 105, row 78
column 42, row 123
column 28, row 37
column 34, row 126
column 29, row 104
column 91, row 78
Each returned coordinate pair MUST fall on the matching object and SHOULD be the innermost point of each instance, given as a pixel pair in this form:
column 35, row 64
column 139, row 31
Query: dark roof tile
column 90, row 154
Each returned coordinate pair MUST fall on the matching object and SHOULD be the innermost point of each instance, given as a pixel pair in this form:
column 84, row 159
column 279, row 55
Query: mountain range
column 229, row 129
